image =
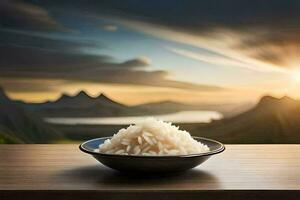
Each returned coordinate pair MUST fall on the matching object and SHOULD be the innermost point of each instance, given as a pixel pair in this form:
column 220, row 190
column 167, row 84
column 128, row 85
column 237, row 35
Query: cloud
column 138, row 62
column 223, row 43
column 140, row 77
column 217, row 60
column 28, row 39
column 33, row 57
column 22, row 85
column 279, row 47
column 262, row 34
column 22, row 15
column 110, row 28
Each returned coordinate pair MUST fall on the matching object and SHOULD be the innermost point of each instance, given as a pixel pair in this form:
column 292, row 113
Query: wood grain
column 62, row 172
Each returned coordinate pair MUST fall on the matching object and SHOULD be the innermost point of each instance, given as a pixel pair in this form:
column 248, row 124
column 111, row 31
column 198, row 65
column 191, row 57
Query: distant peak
column 82, row 93
column 65, row 95
column 266, row 100
column 102, row 95
column 103, row 98
column 287, row 98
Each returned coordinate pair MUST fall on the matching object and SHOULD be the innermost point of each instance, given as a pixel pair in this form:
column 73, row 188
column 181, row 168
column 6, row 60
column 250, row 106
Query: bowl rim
column 209, row 153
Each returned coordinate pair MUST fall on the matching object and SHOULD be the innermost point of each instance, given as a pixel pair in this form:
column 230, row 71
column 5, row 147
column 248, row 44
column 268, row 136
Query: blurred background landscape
column 76, row 70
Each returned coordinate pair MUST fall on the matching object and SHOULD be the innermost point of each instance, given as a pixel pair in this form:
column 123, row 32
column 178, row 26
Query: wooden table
column 63, row 172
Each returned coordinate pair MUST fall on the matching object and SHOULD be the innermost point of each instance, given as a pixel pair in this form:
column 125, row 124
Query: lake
column 198, row 116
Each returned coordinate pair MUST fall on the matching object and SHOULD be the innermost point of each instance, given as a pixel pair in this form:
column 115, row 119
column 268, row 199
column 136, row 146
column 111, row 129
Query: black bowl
column 139, row 163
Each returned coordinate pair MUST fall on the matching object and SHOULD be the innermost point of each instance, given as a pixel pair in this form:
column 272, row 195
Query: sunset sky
column 138, row 51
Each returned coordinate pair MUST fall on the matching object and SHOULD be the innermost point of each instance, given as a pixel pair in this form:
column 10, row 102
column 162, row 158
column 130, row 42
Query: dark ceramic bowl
column 138, row 163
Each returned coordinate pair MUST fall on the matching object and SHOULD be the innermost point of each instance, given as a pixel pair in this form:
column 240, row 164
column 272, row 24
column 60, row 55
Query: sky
column 138, row 51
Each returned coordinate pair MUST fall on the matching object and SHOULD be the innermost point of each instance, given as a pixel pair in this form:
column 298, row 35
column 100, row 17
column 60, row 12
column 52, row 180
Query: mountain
column 82, row 105
column 272, row 120
column 83, row 100
column 171, row 106
column 80, row 100
column 17, row 125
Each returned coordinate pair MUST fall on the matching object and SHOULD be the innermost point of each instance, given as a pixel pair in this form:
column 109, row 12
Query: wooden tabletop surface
column 252, row 171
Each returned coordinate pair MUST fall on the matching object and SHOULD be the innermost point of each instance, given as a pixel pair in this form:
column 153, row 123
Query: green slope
column 7, row 137
column 18, row 125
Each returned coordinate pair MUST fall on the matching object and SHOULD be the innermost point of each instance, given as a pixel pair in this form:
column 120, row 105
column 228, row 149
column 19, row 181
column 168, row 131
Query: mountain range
column 18, row 125
column 80, row 100
column 83, row 105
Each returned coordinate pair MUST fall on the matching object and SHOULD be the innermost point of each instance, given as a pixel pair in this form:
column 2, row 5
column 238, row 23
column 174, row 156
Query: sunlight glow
column 296, row 76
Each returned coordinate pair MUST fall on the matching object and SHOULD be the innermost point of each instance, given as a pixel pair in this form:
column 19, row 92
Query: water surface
column 198, row 116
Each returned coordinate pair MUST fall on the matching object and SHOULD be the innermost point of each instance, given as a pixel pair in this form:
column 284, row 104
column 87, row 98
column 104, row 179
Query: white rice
column 152, row 137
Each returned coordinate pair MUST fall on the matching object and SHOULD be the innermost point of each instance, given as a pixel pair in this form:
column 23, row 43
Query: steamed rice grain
column 152, row 137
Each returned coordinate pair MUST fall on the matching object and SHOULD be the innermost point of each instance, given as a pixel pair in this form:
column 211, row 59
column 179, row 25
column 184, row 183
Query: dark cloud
column 268, row 30
column 194, row 15
column 22, row 15
column 277, row 47
column 33, row 57
column 28, row 39
column 21, row 86
column 15, row 58
column 20, row 59
column 149, row 78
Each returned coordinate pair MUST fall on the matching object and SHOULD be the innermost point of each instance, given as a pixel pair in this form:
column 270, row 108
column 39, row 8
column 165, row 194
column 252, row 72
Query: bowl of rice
column 152, row 146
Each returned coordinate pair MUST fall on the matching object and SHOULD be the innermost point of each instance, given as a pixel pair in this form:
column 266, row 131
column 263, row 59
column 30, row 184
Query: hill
column 18, row 125
column 272, row 120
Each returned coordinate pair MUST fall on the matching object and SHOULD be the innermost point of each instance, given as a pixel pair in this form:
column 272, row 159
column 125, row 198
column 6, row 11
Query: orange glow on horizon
column 133, row 95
